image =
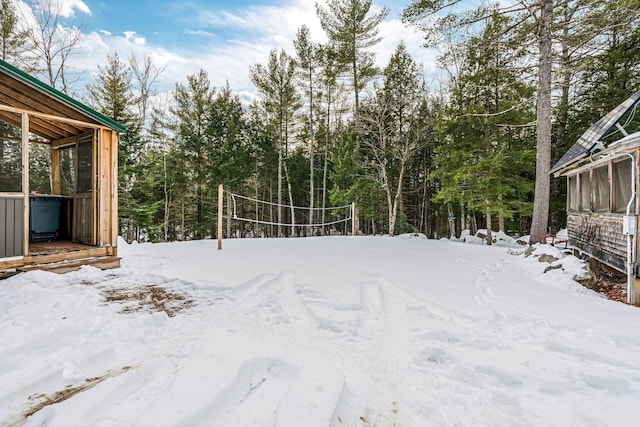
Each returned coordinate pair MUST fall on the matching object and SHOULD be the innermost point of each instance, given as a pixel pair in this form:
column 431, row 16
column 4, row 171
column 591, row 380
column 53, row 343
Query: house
column 602, row 172
column 76, row 221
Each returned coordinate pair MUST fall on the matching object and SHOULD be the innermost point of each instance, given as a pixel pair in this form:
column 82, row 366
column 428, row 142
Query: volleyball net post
column 220, row 201
column 353, row 218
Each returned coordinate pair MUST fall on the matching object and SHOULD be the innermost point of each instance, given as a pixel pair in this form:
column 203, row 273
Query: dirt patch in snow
column 40, row 401
column 608, row 281
column 149, row 299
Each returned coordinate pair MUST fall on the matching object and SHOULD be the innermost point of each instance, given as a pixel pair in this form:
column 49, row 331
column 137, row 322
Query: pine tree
column 389, row 125
column 14, row 45
column 309, row 55
column 193, row 112
column 275, row 84
column 352, row 31
column 111, row 95
column 331, row 94
column 13, row 40
column 541, row 14
column 484, row 163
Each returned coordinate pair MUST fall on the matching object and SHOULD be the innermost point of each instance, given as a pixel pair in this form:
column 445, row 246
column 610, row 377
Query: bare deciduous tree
column 53, row 43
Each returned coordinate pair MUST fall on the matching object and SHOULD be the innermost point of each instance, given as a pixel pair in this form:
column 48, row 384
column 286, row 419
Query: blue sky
column 222, row 37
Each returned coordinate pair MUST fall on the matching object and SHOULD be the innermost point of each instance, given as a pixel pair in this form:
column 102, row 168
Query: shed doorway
column 73, row 170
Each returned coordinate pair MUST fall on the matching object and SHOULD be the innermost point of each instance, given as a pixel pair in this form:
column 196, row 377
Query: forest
column 468, row 147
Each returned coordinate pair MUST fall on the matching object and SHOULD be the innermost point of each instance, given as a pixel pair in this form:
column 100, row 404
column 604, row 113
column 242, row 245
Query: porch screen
column 601, row 187
column 622, row 181
column 10, row 166
column 572, row 193
column 85, row 183
column 68, row 170
column 585, row 192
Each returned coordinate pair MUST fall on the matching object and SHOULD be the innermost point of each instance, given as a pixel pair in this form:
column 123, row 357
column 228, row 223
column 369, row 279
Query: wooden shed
column 76, row 221
column 602, row 172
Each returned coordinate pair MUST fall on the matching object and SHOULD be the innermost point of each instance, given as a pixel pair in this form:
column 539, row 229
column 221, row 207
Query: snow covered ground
column 336, row 331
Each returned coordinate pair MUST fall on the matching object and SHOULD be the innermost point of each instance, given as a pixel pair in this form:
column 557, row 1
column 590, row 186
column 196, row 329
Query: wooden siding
column 83, row 222
column 599, row 235
column 91, row 214
column 11, row 226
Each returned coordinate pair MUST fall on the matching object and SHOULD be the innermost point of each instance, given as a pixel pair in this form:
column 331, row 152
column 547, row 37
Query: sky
column 224, row 38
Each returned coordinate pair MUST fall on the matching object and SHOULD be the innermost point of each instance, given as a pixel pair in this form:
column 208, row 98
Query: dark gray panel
column 11, row 227
column 597, row 132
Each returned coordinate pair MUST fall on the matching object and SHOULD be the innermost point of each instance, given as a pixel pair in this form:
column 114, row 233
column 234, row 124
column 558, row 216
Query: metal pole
column 630, row 236
column 220, row 195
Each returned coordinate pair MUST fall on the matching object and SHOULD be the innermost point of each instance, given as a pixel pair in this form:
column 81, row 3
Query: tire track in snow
column 274, row 298
column 232, row 380
column 382, row 354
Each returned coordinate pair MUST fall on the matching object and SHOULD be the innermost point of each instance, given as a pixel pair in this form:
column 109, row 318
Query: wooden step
column 103, row 263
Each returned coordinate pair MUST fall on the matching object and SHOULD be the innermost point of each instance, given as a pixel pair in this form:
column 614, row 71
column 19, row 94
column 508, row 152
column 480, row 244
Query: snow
column 333, row 331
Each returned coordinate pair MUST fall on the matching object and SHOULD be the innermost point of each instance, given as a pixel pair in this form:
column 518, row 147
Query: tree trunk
column 501, row 226
column 324, row 177
column 423, row 208
column 452, row 223
column 356, row 93
column 166, row 200
column 311, row 160
column 543, row 141
column 464, row 218
column 182, row 221
column 271, row 211
column 291, row 208
column 198, row 211
column 489, row 226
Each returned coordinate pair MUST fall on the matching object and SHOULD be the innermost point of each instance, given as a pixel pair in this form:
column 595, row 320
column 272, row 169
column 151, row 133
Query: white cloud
column 134, row 38
column 393, row 32
column 228, row 42
column 66, row 8
column 200, row 33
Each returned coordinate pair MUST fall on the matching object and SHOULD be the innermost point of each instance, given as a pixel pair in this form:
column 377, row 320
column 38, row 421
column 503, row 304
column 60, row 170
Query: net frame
column 235, row 216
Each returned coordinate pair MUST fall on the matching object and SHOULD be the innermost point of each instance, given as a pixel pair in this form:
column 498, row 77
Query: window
column 572, row 193
column 622, row 184
column 585, row 192
column 601, row 189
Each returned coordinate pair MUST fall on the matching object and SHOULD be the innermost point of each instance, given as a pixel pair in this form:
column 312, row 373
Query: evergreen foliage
column 329, row 128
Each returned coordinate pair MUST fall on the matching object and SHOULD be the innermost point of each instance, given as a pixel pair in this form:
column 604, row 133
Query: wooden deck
column 55, row 247
column 60, row 257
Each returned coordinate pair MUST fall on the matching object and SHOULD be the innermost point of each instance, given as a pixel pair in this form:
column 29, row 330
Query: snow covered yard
column 336, row 331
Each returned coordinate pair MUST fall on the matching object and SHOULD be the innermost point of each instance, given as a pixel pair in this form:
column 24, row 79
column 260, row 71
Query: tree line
column 466, row 148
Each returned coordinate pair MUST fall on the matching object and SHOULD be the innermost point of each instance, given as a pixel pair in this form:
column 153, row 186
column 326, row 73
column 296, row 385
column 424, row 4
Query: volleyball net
column 252, row 217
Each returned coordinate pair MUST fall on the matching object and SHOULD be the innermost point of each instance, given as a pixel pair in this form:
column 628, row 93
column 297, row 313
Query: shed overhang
column 53, row 115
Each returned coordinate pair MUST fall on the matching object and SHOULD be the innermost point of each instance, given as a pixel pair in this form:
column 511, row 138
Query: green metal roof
column 61, row 97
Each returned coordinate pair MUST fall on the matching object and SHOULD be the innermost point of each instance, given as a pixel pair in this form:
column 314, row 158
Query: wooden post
column 220, row 206
column 25, row 179
column 55, row 171
column 635, row 293
column 353, row 218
